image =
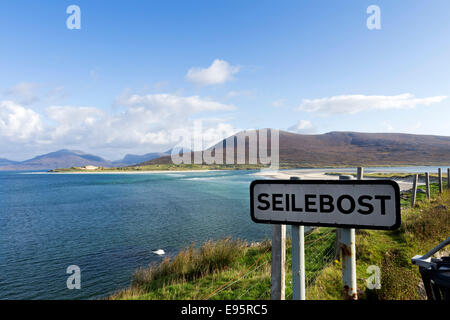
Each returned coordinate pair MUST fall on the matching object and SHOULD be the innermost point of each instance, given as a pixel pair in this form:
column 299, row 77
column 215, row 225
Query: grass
column 405, row 197
column 226, row 269
column 387, row 175
column 195, row 273
column 423, row 227
column 234, row 269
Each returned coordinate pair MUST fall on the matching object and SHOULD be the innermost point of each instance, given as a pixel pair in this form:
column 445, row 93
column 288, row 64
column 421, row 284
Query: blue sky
column 138, row 73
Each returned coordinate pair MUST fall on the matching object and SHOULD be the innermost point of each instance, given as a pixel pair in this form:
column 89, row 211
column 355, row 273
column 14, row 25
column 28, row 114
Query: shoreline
column 320, row 174
column 126, row 172
column 282, row 174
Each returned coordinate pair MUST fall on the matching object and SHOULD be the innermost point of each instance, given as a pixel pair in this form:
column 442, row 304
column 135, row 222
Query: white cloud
column 303, row 126
column 18, row 123
column 387, row 126
column 24, row 92
column 168, row 103
column 74, row 123
column 242, row 93
column 279, row 103
column 350, row 104
column 218, row 72
column 144, row 124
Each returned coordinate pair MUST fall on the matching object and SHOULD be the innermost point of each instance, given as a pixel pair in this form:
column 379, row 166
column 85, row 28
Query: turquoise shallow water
column 108, row 225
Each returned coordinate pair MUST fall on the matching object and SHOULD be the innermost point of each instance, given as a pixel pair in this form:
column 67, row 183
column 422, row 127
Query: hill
column 59, row 159
column 352, row 149
column 131, row 159
column 73, row 158
column 6, row 162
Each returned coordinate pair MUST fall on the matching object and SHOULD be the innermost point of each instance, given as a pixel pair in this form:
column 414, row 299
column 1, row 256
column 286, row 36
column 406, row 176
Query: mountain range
column 74, row 158
column 296, row 150
column 350, row 149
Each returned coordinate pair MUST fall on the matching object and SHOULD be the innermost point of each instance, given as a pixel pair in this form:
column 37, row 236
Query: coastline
column 320, row 174
column 127, row 172
column 282, row 174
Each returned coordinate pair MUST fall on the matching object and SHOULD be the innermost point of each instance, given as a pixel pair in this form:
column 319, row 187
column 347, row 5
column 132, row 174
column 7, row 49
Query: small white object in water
column 159, row 252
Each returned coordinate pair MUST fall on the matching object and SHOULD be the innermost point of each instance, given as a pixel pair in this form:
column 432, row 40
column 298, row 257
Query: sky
column 138, row 76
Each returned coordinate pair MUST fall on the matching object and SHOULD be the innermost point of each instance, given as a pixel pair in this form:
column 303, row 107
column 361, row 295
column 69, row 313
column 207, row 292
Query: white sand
column 319, row 174
column 305, row 174
column 125, row 172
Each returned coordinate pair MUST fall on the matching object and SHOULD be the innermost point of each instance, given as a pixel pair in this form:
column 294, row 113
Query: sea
column 108, row 225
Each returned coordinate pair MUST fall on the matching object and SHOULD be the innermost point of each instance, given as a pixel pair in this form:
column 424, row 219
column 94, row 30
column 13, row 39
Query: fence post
column 347, row 244
column 277, row 287
column 440, row 179
column 360, row 173
column 448, row 178
column 337, row 250
column 298, row 260
column 427, row 182
column 414, row 190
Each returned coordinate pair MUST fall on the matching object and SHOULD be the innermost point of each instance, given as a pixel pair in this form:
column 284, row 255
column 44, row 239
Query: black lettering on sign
column 260, row 199
column 369, row 206
column 308, row 203
column 352, row 204
column 383, row 202
column 326, row 203
column 294, row 208
column 275, row 202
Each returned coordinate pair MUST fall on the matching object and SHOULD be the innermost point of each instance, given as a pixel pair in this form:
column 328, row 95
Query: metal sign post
column 298, row 263
column 277, row 284
column 298, row 260
column 348, row 254
column 348, row 263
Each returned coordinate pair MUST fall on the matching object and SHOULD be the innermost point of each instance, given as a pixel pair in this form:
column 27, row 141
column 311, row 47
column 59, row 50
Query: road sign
column 362, row 204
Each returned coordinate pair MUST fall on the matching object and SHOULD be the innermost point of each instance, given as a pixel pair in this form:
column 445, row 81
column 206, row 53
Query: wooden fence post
column 360, row 173
column 427, row 183
column 277, row 286
column 440, row 179
column 414, row 190
column 448, row 178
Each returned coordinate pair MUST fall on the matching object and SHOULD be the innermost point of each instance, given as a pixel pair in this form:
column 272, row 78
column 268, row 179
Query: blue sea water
column 108, row 225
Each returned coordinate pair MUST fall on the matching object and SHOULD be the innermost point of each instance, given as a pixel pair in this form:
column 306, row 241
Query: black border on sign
column 394, row 184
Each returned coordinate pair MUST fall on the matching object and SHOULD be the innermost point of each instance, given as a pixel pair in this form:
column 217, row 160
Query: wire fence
column 254, row 282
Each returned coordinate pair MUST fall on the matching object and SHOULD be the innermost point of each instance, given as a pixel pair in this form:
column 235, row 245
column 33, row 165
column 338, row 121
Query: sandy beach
column 125, row 172
column 320, row 174
column 305, row 174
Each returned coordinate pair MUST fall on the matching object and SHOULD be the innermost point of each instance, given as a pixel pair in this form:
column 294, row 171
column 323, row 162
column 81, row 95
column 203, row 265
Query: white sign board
column 362, row 204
